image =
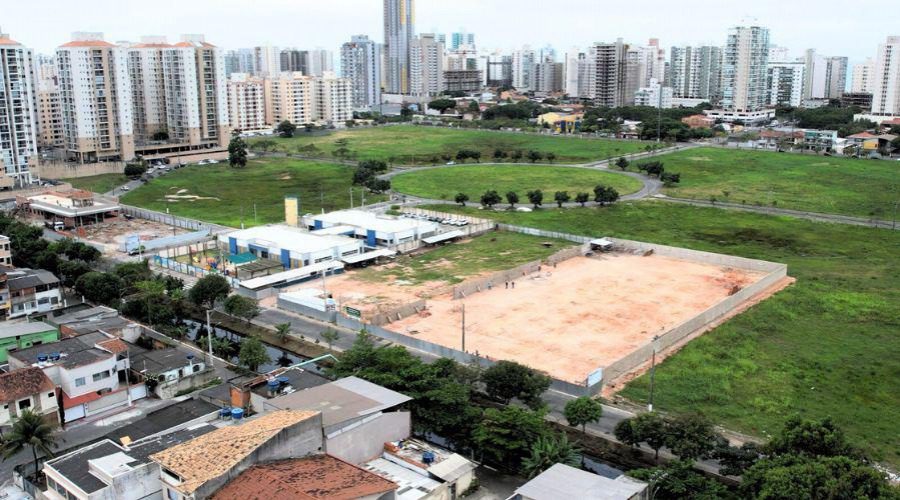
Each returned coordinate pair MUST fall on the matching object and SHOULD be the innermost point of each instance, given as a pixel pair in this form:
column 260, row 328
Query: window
column 101, row 375
column 25, row 403
column 51, row 395
column 79, row 382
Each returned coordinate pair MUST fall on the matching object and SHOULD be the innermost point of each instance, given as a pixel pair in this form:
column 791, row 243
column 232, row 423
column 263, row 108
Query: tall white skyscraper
column 886, row 87
column 785, row 83
column 18, row 113
column 320, row 62
column 361, row 64
column 607, row 75
column 695, row 72
column 246, row 102
column 426, row 68
column 826, row 77
column 863, row 77
column 399, row 32
column 523, row 62
column 267, row 60
column 744, row 69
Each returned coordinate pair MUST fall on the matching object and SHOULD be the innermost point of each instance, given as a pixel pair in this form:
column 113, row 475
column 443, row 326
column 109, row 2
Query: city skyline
column 327, row 25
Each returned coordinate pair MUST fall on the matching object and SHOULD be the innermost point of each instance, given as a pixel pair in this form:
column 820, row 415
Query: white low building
column 376, row 230
column 291, row 246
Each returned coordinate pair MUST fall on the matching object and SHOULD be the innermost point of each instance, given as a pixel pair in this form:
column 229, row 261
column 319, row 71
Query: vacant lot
column 827, row 345
column 102, row 183
column 445, row 182
column 408, row 144
column 254, row 194
column 864, row 188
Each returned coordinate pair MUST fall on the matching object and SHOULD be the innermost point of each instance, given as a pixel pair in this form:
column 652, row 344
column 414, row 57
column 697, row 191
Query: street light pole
column 463, row 328
column 652, row 373
column 209, row 335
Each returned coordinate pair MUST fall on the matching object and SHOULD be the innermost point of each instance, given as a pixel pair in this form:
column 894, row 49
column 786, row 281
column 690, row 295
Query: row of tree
column 66, row 258
column 366, row 174
column 603, row 195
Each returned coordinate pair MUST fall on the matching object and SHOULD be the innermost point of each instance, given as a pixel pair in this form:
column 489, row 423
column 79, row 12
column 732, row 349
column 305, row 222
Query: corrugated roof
column 563, row 481
column 18, row 329
column 22, row 383
column 345, row 400
column 318, row 477
column 212, row 455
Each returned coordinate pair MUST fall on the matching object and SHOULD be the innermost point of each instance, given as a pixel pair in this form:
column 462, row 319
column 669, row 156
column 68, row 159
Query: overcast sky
column 834, row 27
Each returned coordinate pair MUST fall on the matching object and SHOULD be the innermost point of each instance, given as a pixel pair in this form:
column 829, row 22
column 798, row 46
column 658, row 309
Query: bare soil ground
column 113, row 232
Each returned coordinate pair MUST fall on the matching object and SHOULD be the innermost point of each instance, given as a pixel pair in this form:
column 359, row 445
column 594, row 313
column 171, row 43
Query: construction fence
column 173, row 220
column 188, row 269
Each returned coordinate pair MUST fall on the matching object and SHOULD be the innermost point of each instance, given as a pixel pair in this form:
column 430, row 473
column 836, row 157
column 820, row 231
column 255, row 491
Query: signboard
column 595, row 377
column 133, row 244
column 352, row 312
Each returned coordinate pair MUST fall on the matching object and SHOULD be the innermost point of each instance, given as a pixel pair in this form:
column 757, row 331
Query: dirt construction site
column 582, row 316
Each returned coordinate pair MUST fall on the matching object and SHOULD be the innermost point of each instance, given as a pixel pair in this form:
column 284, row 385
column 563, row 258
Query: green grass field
column 453, row 263
column 408, row 144
column 102, row 183
column 220, row 194
column 827, row 345
column 865, row 188
column 444, row 183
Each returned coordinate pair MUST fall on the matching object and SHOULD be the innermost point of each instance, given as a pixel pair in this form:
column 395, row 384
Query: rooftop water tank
column 55, row 356
column 237, row 414
column 225, row 413
column 283, row 380
column 428, row 457
column 41, row 358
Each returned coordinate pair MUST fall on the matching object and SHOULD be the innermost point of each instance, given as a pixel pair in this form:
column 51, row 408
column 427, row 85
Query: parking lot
column 447, row 221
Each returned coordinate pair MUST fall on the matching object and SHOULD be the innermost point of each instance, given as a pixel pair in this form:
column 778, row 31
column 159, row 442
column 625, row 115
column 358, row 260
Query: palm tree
column 548, row 451
column 151, row 291
column 283, row 330
column 29, row 429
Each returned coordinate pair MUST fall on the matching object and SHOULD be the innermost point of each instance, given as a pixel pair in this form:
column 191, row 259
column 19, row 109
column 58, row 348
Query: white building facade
column 886, row 85
column 247, row 102
column 18, row 113
column 744, row 69
column 361, row 64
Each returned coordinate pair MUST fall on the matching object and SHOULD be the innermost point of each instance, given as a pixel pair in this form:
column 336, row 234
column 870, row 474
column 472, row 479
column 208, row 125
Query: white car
column 125, row 188
column 213, row 162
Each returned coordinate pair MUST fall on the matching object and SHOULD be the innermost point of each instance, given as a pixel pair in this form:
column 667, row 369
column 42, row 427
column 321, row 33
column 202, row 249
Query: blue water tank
column 42, row 358
column 237, row 414
column 55, row 356
column 225, row 412
column 282, row 380
column 427, row 457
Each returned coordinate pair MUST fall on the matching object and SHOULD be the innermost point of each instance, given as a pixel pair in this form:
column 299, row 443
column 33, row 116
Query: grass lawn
column 102, row 183
column 444, row 183
column 845, row 186
column 410, row 144
column 219, row 193
column 454, row 263
column 827, row 345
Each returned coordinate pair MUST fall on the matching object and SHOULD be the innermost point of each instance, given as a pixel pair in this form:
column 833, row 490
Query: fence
column 69, row 170
column 397, row 313
column 173, row 220
column 189, row 270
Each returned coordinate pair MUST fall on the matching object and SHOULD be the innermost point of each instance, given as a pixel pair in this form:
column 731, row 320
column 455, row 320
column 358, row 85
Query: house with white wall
column 27, row 389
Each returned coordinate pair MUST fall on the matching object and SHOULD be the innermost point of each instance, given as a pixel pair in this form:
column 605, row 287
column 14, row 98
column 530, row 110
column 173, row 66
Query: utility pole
column 463, row 328
column 652, row 373
column 209, row 336
column 351, row 198
column 254, row 213
column 659, row 115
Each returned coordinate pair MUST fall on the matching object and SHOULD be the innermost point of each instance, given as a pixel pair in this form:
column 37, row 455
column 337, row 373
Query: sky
column 833, row 27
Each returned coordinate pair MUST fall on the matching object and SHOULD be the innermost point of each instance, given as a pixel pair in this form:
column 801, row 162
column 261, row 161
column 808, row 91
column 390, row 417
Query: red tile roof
column 317, row 477
column 24, row 382
column 861, row 135
column 88, row 43
column 114, row 346
column 8, row 41
column 78, row 400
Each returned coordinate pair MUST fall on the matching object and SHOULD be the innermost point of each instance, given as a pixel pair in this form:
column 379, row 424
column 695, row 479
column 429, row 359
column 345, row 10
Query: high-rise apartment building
column 399, row 33
column 548, row 76
column 835, row 77
column 266, row 60
column 825, row 78
column 744, row 69
column 785, row 83
column 460, row 39
column 240, row 61
column 523, row 62
column 95, row 98
column 571, row 81
column 361, row 64
column 320, row 62
column 49, row 118
column 607, row 73
column 695, row 72
column 18, row 113
column 148, row 89
column 498, row 70
column 294, row 60
column 247, row 102
column 886, row 85
column 651, row 63
column 654, row 95
column 302, row 99
column 426, row 66
column 863, row 77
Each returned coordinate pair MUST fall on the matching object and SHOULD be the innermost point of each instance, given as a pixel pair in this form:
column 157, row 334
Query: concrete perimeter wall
column 68, row 170
column 173, row 220
column 398, row 313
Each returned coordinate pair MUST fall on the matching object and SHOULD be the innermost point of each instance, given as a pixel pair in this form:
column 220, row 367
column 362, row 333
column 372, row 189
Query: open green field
column 102, row 183
column 865, row 188
column 409, row 144
column 827, row 345
column 221, row 194
column 454, row 263
column 444, row 183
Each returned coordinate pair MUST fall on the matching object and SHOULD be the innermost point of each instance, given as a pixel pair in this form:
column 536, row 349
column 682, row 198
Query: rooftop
column 341, row 401
column 19, row 384
column 212, row 455
column 20, row 279
column 320, row 476
column 89, row 314
column 444, row 465
column 563, row 481
column 288, row 238
column 73, row 352
column 163, row 419
column 162, row 360
column 369, row 220
column 27, row 328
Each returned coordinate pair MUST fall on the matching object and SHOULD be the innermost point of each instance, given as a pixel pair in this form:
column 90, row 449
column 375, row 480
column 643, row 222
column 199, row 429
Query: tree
column 504, row 437
column 648, row 428
column 32, row 431
column 499, row 154
column 535, row 156
column 605, row 195
column 678, row 481
column 490, row 198
column 622, row 163
column 512, row 198
column 551, row 156
column 442, row 105
column 135, row 169
column 798, row 476
column 561, row 197
column 507, row 380
column 237, row 152
column 461, row 198
column 583, row 411
column 71, row 270
column 548, row 451
column 102, row 288
column 673, row 178
column 690, row 437
column 208, row 290
column 242, row 307
column 811, row 438
column 286, row 129
column 734, row 460
column 582, row 198
column 283, row 330
column 536, row 197
column 253, row 353
column 516, row 155
column 330, row 336
column 151, row 292
column 379, row 186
